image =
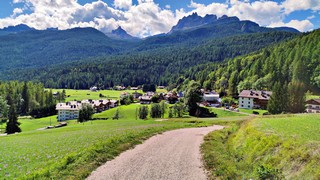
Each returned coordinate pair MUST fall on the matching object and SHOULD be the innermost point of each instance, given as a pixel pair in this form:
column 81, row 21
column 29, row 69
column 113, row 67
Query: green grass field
column 304, row 127
column 74, row 151
column 250, row 111
column 271, row 147
column 87, row 94
column 225, row 113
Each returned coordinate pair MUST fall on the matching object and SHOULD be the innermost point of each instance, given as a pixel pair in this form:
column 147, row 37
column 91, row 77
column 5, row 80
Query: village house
column 145, row 99
column 211, row 99
column 313, row 106
column 249, row 99
column 70, row 110
column 136, row 95
column 171, row 97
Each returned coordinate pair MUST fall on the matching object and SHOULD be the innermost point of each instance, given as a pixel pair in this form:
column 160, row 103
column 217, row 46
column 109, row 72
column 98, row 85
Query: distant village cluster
column 248, row 99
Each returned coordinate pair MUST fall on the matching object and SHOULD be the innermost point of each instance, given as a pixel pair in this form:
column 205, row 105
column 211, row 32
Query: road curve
column 173, row 155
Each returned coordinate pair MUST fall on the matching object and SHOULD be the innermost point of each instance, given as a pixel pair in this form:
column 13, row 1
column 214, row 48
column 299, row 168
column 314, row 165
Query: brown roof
column 262, row 95
column 313, row 101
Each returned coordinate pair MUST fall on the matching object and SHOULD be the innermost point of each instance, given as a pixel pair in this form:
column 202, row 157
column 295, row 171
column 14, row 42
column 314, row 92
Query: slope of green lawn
column 250, row 111
column 74, row 151
column 272, row 147
column 303, row 127
column 225, row 113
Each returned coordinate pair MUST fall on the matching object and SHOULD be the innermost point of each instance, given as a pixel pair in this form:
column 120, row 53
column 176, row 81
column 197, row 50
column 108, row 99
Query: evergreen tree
column 179, row 109
column 192, row 97
column 163, row 108
column 25, row 96
column 143, row 112
column 278, row 102
column 85, row 113
column 155, row 111
column 297, row 97
column 12, row 124
column 170, row 113
column 3, row 108
column 232, row 89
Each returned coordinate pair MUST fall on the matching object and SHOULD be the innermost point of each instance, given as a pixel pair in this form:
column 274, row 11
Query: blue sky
column 148, row 17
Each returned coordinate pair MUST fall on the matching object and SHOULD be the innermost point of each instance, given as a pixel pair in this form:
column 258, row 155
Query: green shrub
column 267, row 172
column 255, row 112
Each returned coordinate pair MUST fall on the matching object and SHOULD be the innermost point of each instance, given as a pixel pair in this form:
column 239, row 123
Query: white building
column 211, row 97
column 313, row 106
column 249, row 99
column 70, row 110
column 67, row 111
column 94, row 88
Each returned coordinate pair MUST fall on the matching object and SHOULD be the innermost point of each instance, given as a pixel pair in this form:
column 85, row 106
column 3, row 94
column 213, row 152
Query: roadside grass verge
column 272, row 147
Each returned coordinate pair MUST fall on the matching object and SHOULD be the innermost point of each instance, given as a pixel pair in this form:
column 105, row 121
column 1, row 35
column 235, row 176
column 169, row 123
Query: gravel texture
column 173, row 155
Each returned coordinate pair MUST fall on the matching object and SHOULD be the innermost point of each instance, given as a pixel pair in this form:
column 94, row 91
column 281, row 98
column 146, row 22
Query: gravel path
column 173, row 155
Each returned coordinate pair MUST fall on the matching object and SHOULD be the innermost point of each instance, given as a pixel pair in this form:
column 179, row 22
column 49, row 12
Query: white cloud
column 213, row 8
column 295, row 5
column 261, row 12
column 144, row 19
column 311, row 17
column 17, row 11
column 147, row 18
column 122, row 4
column 304, row 25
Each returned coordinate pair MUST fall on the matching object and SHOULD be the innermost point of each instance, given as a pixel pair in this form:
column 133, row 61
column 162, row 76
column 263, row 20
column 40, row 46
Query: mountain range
column 51, row 55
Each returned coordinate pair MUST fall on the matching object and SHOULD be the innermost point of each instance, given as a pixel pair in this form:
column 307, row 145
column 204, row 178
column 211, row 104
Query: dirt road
column 173, row 155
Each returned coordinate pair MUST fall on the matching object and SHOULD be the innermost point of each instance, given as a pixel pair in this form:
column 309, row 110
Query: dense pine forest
column 162, row 66
column 26, row 97
column 296, row 60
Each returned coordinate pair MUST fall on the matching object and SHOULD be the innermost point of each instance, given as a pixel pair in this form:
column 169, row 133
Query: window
column 242, row 101
column 241, row 105
column 249, row 102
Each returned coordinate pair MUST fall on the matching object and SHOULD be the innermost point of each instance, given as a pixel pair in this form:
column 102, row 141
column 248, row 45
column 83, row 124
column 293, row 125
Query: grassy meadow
column 250, row 111
column 225, row 113
column 74, row 151
column 270, row 147
column 87, row 94
column 276, row 143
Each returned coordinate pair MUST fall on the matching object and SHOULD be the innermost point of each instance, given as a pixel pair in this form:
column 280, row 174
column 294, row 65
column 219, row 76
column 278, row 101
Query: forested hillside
column 298, row 59
column 34, row 48
column 160, row 66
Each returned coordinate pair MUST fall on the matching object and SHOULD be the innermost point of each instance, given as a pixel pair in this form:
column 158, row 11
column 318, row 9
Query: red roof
column 313, row 101
column 262, row 95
